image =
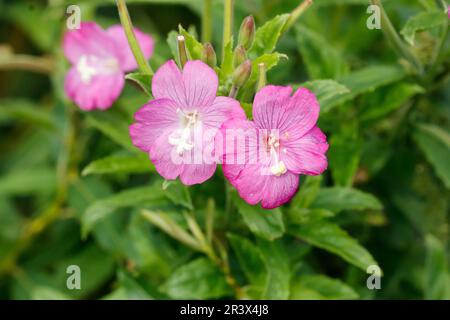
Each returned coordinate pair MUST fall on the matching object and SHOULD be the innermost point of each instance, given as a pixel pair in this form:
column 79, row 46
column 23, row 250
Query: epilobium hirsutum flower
column 178, row 127
column 99, row 61
column 281, row 143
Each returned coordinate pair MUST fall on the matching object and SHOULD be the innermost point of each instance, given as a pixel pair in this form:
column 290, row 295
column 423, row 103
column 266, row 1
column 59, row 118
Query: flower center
column 278, row 167
column 181, row 138
column 90, row 66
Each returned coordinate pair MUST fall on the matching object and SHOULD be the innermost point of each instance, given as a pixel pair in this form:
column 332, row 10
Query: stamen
column 181, row 137
column 279, row 168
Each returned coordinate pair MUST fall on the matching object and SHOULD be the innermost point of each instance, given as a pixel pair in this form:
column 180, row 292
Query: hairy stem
column 132, row 41
column 207, row 21
column 397, row 43
column 227, row 24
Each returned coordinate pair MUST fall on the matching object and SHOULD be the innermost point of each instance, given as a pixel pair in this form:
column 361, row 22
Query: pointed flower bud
column 247, row 32
column 240, row 55
column 209, row 55
column 182, row 53
column 242, row 73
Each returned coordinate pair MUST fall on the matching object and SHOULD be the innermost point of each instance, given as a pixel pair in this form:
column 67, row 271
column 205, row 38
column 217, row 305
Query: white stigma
column 85, row 70
column 278, row 168
column 181, row 138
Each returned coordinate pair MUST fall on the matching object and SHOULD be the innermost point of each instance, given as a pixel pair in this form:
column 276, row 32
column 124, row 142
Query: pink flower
column 178, row 127
column 99, row 60
column 448, row 12
column 286, row 143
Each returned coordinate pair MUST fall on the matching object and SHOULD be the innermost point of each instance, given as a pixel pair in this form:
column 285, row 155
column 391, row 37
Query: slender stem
column 207, row 21
column 262, row 79
column 28, row 63
column 227, row 24
column 296, row 14
column 395, row 40
column 132, row 41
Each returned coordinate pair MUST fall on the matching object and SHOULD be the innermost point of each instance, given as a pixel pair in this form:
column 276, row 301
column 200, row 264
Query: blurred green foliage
column 74, row 191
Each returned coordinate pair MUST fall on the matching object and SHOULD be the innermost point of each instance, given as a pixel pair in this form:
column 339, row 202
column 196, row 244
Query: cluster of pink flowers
column 186, row 128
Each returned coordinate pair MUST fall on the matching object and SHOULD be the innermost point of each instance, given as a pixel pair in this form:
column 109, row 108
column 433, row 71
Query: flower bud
column 240, row 55
column 182, row 53
column 209, row 55
column 242, row 73
column 247, row 33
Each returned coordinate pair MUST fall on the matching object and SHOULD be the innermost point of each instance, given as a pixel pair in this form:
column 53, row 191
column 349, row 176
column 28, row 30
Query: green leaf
column 383, row 102
column 279, row 273
column 251, row 261
column 344, row 154
column 309, row 287
column 47, row 293
column 422, row 21
column 270, row 61
column 199, row 279
column 437, row 280
column 178, row 193
column 137, row 197
column 26, row 111
column 144, row 81
column 435, row 144
column 266, row 37
column 28, row 181
column 326, row 91
column 367, row 80
column 121, row 163
column 331, row 237
column 113, row 126
column 194, row 48
column 337, row 199
column 267, row 224
column 321, row 59
column 307, row 192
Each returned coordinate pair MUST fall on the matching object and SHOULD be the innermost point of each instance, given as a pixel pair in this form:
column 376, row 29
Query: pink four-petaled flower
column 99, row 61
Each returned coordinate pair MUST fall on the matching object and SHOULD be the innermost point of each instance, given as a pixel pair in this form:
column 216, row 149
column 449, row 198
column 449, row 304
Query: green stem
column 28, row 63
column 227, row 24
column 395, row 40
column 132, row 41
column 296, row 14
column 207, row 21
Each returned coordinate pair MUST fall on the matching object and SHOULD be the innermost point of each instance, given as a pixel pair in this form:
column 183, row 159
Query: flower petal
column 90, row 39
column 221, row 110
column 99, row 93
column 269, row 106
column 127, row 61
column 236, row 146
column 197, row 173
column 161, row 154
column 301, row 114
column 279, row 190
column 168, row 83
column 153, row 118
column 307, row 154
column 255, row 186
column 200, row 83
